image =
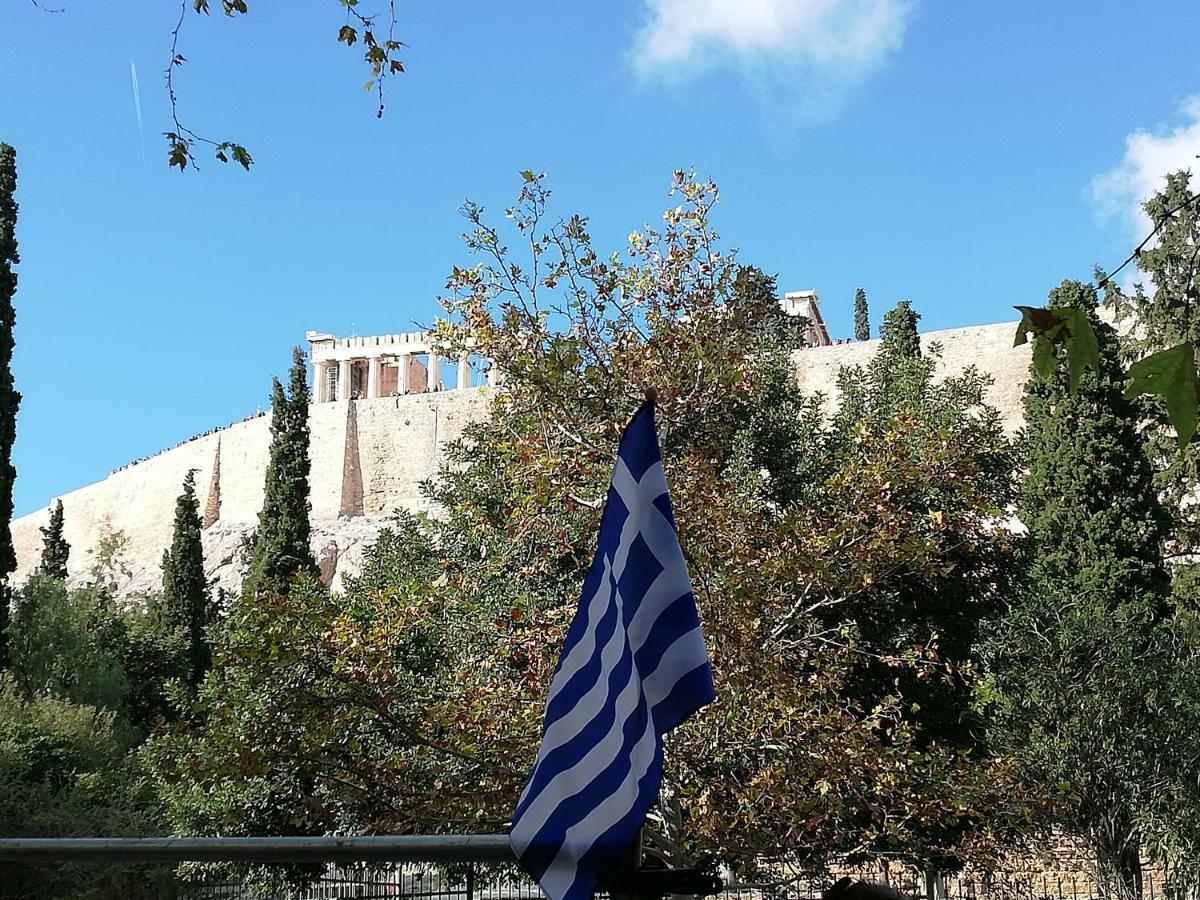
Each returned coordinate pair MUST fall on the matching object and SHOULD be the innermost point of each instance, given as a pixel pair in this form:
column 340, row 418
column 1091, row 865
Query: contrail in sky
column 137, row 107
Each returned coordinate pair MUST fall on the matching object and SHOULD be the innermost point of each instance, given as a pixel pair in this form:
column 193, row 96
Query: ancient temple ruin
column 413, row 362
column 390, row 365
column 808, row 305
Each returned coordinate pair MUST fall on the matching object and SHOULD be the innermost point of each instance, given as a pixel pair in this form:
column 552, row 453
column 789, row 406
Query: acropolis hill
column 385, row 408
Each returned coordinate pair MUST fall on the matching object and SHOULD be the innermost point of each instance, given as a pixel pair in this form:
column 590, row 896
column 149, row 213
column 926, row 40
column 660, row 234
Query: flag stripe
column 566, row 782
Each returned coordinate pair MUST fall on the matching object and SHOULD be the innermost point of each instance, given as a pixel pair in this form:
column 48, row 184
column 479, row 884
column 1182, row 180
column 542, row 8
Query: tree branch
column 1137, row 252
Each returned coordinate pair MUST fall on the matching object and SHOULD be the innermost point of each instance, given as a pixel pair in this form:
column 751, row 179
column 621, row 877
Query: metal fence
column 1054, row 879
column 480, row 867
column 416, row 882
column 409, row 881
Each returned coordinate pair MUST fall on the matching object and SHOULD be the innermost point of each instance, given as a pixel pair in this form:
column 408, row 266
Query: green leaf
column 1171, row 374
column 1069, row 328
column 347, row 35
column 1035, row 320
column 229, row 150
column 178, row 154
column 241, row 156
column 528, row 176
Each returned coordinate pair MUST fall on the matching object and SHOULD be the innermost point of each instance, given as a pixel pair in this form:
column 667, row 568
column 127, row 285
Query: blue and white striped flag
column 634, row 666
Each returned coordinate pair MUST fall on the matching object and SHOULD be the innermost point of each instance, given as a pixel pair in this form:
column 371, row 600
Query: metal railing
column 421, row 867
column 464, row 867
column 482, row 867
column 464, row 848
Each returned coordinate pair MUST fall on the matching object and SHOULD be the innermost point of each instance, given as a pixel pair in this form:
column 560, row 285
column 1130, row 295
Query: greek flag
column 633, row 667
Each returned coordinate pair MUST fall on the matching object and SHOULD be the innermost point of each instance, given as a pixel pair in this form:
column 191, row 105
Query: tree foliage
column 1161, row 328
column 896, row 404
column 55, row 549
column 899, row 331
column 63, row 646
column 186, row 603
column 10, row 399
column 1081, row 657
column 413, row 701
column 862, row 316
column 158, row 663
column 85, row 685
column 1165, row 309
column 281, row 548
column 1171, row 826
column 64, row 772
column 1162, row 322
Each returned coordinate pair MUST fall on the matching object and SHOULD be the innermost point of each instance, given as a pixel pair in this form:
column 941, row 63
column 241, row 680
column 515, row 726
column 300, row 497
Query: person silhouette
column 849, row 889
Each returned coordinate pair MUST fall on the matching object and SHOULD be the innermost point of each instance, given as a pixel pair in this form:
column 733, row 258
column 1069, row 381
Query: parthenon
column 389, row 365
column 392, row 365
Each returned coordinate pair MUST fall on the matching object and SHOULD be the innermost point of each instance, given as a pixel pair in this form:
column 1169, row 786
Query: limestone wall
column 402, row 440
column 987, row 347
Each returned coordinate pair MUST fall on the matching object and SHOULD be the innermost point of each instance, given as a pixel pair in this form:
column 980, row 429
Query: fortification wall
column 989, row 348
column 397, row 443
column 402, row 441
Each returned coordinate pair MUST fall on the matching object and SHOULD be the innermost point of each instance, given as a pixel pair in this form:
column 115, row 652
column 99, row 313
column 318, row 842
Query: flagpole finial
column 652, row 396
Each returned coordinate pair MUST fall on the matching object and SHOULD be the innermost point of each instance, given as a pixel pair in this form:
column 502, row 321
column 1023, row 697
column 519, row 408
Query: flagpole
column 633, row 864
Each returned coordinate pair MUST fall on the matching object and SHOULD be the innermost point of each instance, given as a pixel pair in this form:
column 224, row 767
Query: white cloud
column 1149, row 157
column 819, row 48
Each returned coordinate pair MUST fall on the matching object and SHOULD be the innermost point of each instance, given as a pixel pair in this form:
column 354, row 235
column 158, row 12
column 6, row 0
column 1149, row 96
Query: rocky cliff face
column 365, row 465
column 368, row 462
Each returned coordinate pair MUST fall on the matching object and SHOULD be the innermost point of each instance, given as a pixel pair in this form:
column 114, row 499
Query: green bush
column 62, row 645
column 65, row 772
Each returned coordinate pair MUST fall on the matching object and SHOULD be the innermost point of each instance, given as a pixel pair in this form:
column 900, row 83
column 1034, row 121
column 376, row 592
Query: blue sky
column 965, row 156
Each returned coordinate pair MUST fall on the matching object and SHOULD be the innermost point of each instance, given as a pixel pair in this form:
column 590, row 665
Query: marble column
column 343, row 385
column 433, row 377
column 464, row 371
column 402, row 374
column 373, row 370
column 320, row 382
column 493, row 374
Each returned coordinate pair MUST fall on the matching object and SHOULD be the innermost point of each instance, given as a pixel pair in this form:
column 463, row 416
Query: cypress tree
column 1079, row 657
column 281, row 548
column 185, row 600
column 1162, row 310
column 10, row 399
column 899, row 332
column 862, row 318
column 55, row 549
